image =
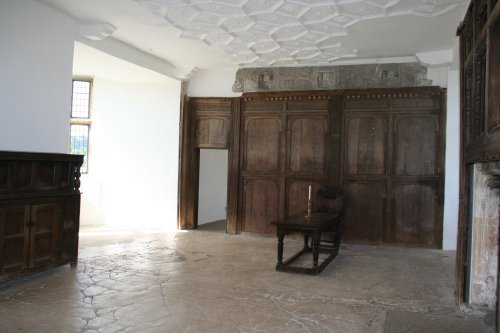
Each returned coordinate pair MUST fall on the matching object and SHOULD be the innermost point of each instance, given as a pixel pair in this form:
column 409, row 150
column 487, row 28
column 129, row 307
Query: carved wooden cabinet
column 39, row 211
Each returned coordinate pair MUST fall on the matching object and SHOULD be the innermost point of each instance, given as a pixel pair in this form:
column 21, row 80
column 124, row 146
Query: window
column 80, row 120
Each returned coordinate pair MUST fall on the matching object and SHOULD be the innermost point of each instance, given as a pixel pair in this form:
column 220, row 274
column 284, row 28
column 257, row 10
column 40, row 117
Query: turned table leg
column 306, row 243
column 281, row 236
column 315, row 247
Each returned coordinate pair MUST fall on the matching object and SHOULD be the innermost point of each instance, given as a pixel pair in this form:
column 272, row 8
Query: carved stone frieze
column 334, row 77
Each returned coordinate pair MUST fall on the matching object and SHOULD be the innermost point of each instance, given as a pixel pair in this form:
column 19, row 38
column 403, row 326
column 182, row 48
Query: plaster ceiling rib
column 133, row 55
column 278, row 32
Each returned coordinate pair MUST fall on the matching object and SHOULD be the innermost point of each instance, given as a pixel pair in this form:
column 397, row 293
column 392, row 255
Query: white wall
column 35, row 77
column 212, row 83
column 133, row 160
column 452, row 181
column 212, row 195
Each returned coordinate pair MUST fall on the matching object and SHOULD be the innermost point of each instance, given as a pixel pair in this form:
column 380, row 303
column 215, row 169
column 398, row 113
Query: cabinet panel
column 13, row 238
column 416, row 141
column 4, row 176
column 44, row 234
column 307, row 144
column 261, row 205
column 415, row 214
column 366, row 144
column 364, row 215
column 69, row 212
column 262, row 144
column 46, row 175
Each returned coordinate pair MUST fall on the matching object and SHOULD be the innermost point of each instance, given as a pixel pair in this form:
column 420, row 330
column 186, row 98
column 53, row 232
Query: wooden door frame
column 189, row 167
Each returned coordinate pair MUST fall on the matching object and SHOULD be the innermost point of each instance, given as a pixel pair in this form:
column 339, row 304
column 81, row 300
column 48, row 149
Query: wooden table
column 310, row 227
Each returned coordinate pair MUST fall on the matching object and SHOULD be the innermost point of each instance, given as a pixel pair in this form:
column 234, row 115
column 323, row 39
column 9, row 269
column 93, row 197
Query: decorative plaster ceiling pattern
column 282, row 32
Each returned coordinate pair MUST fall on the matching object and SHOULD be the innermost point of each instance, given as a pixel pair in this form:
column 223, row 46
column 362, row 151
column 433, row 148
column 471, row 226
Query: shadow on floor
column 216, row 226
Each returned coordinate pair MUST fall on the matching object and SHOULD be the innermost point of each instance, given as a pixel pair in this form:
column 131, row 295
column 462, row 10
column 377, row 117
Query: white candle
column 309, row 192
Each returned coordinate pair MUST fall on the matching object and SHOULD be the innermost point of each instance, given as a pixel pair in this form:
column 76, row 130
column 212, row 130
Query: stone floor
column 206, row 281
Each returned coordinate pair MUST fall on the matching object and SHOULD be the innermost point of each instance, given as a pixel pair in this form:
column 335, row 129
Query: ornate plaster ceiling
column 283, row 32
column 190, row 34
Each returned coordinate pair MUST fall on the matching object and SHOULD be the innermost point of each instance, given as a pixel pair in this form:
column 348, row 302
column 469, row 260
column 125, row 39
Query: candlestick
column 309, row 205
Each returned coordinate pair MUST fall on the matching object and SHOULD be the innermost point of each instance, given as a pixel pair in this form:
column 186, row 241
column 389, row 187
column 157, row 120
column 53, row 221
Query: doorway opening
column 212, row 191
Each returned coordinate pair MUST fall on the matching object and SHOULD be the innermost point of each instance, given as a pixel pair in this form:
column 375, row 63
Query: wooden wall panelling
column 365, row 181
column 365, row 213
column 415, row 213
column 307, row 147
column 335, row 141
column 262, row 144
column 212, row 122
column 287, row 144
column 188, row 168
column 233, row 222
column 393, row 150
column 480, row 111
column 493, row 84
column 262, row 201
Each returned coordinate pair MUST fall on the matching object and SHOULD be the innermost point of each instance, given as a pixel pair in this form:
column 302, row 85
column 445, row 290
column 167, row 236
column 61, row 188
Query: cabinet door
column 14, row 239
column 44, row 234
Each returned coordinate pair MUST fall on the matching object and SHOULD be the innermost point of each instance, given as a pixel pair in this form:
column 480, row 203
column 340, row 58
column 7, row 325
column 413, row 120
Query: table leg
column 315, row 247
column 281, row 236
column 306, row 243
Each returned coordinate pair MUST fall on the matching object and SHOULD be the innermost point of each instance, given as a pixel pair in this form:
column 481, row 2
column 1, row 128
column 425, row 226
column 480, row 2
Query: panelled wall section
column 384, row 148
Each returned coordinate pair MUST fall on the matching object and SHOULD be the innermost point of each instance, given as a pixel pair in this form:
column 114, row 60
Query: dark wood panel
column 478, row 111
column 416, row 102
column 44, row 234
column 416, row 145
column 233, row 180
column 365, row 207
column 308, row 105
column 480, row 114
column 365, row 145
column 262, row 105
column 297, row 195
column 356, row 102
column 14, row 242
column 415, row 214
column 46, row 175
column 22, row 171
column 262, row 144
column 68, row 229
column 468, row 102
column 493, row 110
column 39, row 187
column 212, row 132
column 4, row 176
column 261, row 202
column 307, row 148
